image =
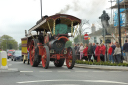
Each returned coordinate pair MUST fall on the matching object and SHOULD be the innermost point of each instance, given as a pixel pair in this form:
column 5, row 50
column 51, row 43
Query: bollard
column 3, row 60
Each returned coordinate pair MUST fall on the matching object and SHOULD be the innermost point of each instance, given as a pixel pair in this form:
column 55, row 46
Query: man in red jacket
column 110, row 53
column 102, row 52
column 97, row 52
column 85, row 52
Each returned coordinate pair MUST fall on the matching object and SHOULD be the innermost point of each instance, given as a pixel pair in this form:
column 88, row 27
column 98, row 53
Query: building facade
column 124, row 25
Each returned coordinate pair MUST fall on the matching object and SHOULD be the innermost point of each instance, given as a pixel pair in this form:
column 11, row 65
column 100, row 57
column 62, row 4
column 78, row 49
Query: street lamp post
column 119, row 25
column 41, row 7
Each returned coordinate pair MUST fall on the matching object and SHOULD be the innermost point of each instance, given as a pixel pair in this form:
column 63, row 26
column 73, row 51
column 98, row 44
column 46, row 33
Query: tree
column 76, row 40
column 7, row 42
column 68, row 44
column 20, row 46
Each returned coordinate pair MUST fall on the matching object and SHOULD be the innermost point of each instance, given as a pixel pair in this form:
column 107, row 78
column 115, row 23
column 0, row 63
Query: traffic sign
column 86, row 36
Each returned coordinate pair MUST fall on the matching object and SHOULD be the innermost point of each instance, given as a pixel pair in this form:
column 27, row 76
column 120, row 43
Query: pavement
column 9, row 69
column 102, row 67
column 28, row 75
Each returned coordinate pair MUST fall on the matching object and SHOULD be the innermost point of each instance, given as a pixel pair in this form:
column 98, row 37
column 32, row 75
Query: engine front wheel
column 70, row 59
column 45, row 57
column 33, row 54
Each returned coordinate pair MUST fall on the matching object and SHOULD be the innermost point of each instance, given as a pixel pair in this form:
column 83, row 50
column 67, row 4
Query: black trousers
column 102, row 58
column 78, row 56
column 89, row 57
column 95, row 57
column 85, row 58
column 118, row 58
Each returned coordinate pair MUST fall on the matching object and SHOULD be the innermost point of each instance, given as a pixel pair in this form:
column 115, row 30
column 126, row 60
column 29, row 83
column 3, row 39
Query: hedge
column 101, row 63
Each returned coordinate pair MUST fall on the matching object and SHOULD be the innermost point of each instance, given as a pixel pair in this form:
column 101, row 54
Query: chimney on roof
column 93, row 28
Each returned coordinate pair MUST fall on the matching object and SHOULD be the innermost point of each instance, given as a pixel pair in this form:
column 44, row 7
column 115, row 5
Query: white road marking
column 81, row 71
column 65, row 84
column 26, row 71
column 68, row 80
column 64, row 71
column 114, row 71
column 45, row 71
column 105, row 81
column 98, row 71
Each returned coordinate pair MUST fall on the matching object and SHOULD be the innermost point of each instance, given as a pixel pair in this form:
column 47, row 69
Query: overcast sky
column 16, row 16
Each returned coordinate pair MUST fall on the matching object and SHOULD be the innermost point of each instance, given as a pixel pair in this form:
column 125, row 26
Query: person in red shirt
column 110, row 53
column 102, row 52
column 97, row 52
column 85, row 52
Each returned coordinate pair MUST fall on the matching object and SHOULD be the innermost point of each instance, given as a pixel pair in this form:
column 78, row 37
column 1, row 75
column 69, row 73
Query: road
column 28, row 75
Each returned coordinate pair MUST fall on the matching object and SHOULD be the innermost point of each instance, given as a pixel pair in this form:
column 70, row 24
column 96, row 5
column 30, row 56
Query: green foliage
column 68, row 44
column 100, row 63
column 77, row 39
column 7, row 42
column 19, row 46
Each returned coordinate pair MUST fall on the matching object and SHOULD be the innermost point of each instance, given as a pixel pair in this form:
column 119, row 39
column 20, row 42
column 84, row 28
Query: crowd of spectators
column 96, row 51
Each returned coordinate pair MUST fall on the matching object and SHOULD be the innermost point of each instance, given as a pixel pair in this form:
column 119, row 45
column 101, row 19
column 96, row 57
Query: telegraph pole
column 119, row 25
column 41, row 7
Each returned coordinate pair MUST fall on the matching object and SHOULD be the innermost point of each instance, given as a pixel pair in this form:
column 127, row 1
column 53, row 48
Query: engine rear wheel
column 59, row 63
column 70, row 59
column 45, row 57
column 33, row 55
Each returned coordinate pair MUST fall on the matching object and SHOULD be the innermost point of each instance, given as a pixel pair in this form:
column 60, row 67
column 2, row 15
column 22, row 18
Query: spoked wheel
column 33, row 61
column 70, row 59
column 45, row 57
column 59, row 63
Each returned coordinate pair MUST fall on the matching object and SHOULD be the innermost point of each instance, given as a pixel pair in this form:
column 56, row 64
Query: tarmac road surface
column 28, row 75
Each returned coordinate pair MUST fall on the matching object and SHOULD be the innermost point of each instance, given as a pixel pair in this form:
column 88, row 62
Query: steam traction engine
column 49, row 42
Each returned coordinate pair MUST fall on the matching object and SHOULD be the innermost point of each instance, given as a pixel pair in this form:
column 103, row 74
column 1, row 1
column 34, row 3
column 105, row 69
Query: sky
column 16, row 16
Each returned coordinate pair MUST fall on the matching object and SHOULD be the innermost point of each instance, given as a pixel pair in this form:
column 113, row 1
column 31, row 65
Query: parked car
column 10, row 53
column 17, row 55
